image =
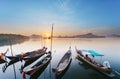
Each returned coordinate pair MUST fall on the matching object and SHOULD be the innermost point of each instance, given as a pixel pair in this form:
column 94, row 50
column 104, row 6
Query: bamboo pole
column 51, row 48
column 12, row 55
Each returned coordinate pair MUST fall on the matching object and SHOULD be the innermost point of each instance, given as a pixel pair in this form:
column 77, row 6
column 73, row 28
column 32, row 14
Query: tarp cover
column 95, row 53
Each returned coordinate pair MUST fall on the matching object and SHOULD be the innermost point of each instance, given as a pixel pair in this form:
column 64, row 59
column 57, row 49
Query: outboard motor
column 49, row 53
column 106, row 64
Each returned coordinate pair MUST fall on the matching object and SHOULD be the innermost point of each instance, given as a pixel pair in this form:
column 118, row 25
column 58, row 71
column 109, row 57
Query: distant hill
column 14, row 38
column 35, row 36
column 88, row 35
column 114, row 35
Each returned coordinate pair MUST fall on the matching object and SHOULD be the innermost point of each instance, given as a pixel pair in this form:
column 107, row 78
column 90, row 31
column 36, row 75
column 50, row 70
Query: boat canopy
column 94, row 53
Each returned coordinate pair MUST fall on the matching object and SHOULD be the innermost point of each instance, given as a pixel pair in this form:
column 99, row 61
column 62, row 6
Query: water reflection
column 109, row 47
column 6, row 42
column 7, row 64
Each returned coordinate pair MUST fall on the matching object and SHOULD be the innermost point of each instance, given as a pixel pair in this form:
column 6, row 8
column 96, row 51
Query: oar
column 118, row 73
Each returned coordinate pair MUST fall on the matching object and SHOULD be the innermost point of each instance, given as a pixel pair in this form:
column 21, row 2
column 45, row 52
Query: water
column 110, row 47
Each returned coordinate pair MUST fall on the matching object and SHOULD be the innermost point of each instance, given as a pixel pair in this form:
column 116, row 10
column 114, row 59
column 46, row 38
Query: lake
column 110, row 47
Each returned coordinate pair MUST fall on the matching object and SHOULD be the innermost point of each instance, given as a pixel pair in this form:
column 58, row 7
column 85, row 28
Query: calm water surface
column 110, row 47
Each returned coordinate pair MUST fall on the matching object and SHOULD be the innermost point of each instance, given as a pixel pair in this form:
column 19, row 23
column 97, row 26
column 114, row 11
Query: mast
column 51, row 37
column 51, row 48
column 10, row 45
column 41, row 41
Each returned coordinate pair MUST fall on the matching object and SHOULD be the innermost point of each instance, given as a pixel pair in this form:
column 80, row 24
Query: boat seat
column 104, row 67
column 39, row 63
column 44, row 60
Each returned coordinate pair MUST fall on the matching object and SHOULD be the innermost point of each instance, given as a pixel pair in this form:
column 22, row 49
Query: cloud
column 65, row 7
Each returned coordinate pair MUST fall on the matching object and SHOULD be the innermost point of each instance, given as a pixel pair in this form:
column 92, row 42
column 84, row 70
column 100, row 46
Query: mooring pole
column 12, row 55
column 51, row 47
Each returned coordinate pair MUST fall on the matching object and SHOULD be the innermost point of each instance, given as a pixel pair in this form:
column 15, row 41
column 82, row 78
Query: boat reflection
column 7, row 64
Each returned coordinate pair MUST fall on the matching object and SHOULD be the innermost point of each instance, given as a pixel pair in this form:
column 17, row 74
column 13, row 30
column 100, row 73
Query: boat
column 2, row 57
column 22, row 55
column 7, row 64
column 64, row 63
column 38, row 66
column 63, row 73
column 88, row 56
column 39, row 72
column 35, row 55
column 28, row 62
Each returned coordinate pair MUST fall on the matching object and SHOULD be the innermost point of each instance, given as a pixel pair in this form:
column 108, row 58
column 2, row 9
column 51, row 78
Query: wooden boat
column 39, row 72
column 34, row 55
column 64, row 63
column 106, row 70
column 39, row 65
column 2, row 57
column 63, row 73
column 28, row 62
column 6, row 65
column 21, row 56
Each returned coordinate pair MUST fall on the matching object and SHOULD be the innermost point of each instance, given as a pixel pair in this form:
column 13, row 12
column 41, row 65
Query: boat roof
column 95, row 53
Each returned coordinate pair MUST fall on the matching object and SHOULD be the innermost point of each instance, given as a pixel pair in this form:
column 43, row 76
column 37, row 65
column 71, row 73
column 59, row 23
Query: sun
column 46, row 35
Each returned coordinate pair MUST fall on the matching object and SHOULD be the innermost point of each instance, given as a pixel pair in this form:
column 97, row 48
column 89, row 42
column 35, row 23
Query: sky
column 70, row 17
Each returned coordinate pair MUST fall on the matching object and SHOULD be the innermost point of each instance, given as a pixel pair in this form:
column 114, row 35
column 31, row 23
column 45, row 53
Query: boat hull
column 34, row 56
column 101, row 70
column 2, row 61
column 64, row 63
column 37, row 69
column 61, row 72
column 28, row 55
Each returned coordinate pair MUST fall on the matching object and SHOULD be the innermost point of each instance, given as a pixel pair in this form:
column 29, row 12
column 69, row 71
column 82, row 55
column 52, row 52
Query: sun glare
column 46, row 35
